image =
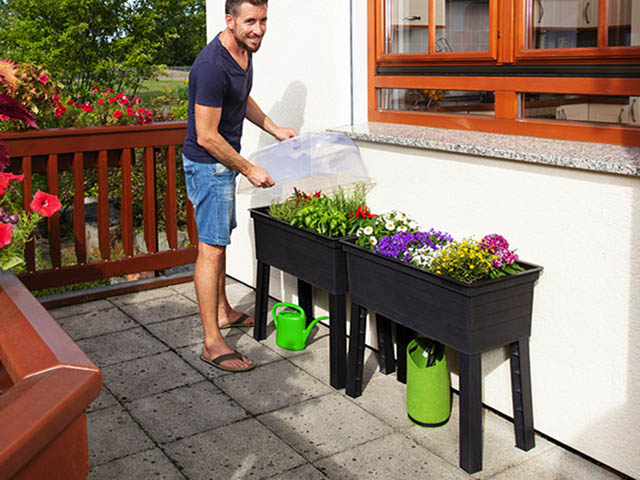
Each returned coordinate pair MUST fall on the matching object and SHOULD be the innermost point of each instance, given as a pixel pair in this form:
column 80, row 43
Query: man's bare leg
column 226, row 314
column 208, row 272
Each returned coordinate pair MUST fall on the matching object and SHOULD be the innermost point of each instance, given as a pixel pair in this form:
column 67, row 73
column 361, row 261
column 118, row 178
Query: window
column 553, row 68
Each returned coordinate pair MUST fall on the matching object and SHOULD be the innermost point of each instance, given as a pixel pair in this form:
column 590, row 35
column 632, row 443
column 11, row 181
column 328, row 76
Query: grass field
column 153, row 88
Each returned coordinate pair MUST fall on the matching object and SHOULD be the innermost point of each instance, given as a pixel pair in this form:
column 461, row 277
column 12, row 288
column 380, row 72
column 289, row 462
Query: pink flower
column 45, row 204
column 108, row 90
column 43, row 78
column 5, row 118
column 4, row 183
column 6, row 232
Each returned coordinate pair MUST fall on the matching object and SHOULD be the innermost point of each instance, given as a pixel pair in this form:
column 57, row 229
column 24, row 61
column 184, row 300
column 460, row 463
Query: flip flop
column 238, row 322
column 216, row 362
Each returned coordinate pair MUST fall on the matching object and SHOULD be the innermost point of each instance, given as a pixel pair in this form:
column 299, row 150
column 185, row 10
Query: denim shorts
column 211, row 187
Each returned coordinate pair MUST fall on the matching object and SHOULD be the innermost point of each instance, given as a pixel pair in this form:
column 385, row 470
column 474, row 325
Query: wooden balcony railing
column 104, row 148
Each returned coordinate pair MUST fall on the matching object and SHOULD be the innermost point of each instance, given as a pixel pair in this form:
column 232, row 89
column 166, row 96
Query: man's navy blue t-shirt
column 216, row 80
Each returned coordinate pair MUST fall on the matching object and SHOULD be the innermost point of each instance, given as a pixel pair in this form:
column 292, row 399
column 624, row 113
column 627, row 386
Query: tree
column 185, row 21
column 86, row 42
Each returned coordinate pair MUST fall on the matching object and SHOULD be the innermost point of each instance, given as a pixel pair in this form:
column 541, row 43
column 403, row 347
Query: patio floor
column 165, row 414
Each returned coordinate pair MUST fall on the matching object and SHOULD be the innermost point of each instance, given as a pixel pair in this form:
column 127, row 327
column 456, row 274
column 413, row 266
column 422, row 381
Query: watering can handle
column 284, row 304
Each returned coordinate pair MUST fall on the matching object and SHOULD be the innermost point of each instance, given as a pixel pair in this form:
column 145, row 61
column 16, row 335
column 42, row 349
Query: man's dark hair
column 231, row 6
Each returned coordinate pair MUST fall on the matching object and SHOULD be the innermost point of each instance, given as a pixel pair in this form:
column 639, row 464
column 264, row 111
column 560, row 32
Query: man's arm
column 207, row 121
column 258, row 117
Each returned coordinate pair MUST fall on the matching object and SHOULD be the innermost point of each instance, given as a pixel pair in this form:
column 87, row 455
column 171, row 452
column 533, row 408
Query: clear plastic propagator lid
column 309, row 162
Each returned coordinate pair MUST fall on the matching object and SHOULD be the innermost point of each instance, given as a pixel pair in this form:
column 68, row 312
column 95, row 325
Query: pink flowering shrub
column 504, row 262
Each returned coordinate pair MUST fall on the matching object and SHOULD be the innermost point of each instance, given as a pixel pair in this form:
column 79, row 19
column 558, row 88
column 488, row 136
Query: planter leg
column 403, row 336
column 305, row 299
column 338, row 340
column 355, row 369
column 262, row 301
column 521, row 394
column 470, row 413
column 386, row 357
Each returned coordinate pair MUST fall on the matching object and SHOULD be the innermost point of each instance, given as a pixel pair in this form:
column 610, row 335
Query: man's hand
column 284, row 133
column 259, row 177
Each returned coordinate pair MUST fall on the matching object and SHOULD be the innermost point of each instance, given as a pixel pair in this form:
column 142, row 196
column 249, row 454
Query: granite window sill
column 599, row 157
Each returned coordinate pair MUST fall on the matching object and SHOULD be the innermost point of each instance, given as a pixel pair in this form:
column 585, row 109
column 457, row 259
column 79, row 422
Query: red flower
column 43, row 78
column 6, row 232
column 59, row 111
column 45, row 204
column 70, row 101
column 124, row 100
column 137, row 99
column 108, row 90
column 5, row 118
column 117, row 114
column 87, row 108
column 11, row 176
column 95, row 87
column 55, row 97
column 4, row 183
column 113, row 100
column 101, row 101
column 130, row 111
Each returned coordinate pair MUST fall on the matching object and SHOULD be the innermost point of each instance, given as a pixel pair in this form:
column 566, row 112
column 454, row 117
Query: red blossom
column 71, row 102
column 137, row 99
column 113, row 100
column 6, row 232
column 101, row 101
column 130, row 111
column 43, row 78
column 124, row 100
column 117, row 114
column 4, row 183
column 5, row 118
column 55, row 97
column 95, row 87
column 108, row 90
column 45, row 204
column 11, row 176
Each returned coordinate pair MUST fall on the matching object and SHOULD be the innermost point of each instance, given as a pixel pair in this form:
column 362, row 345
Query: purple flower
column 401, row 244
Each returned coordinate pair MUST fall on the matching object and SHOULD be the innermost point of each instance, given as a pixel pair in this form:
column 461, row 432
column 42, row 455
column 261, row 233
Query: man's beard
column 245, row 45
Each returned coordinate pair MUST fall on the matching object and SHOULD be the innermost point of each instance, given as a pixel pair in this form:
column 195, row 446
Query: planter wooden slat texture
column 315, row 260
column 48, row 383
column 77, row 150
column 469, row 318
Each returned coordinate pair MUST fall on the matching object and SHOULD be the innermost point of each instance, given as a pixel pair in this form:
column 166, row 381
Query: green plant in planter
column 320, row 216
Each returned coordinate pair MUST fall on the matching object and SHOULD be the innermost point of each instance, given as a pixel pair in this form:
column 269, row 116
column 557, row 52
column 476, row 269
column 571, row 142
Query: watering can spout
column 307, row 331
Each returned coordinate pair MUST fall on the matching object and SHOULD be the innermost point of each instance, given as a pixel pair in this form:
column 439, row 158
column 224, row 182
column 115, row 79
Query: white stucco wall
column 583, row 227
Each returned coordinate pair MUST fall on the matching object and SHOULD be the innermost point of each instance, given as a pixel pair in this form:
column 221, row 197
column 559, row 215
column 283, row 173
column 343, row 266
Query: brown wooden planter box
column 46, row 382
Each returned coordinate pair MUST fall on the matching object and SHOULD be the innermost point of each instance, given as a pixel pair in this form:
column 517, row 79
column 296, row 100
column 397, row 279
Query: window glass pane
column 624, row 23
column 562, row 23
column 466, row 26
column 583, row 108
column 437, row 101
column 461, row 25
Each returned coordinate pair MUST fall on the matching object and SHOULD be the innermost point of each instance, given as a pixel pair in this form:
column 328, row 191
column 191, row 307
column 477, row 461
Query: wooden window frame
column 507, row 42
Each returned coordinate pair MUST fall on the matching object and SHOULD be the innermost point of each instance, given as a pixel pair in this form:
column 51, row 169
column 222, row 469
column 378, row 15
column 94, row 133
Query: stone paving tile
column 105, row 400
column 317, row 364
column 499, row 451
column 241, row 450
column 96, row 322
column 118, row 347
column 184, row 331
column 395, row 456
column 189, row 288
column 185, row 411
column 79, row 308
column 114, row 434
column 385, row 398
column 556, row 464
column 159, row 309
column 271, row 386
column 245, row 344
column 149, row 375
column 306, row 472
column 324, row 426
column 240, row 294
column 142, row 296
column 141, row 466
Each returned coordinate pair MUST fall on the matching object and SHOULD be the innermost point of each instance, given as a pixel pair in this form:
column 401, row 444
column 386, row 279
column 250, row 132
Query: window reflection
column 441, row 101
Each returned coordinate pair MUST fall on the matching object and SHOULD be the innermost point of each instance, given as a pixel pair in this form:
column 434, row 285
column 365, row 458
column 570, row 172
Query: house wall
column 583, row 227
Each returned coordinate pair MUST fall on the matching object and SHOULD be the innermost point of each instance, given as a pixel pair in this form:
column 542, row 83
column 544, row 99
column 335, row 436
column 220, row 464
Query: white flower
column 358, row 232
column 413, row 225
column 390, row 226
column 403, row 217
column 367, row 230
column 387, row 216
column 372, row 240
column 402, row 228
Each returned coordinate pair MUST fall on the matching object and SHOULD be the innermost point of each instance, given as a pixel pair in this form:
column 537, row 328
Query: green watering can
column 291, row 333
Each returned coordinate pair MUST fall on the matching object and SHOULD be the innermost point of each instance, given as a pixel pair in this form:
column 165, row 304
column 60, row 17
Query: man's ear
column 228, row 18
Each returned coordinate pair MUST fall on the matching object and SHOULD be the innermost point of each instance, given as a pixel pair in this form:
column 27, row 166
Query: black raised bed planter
column 315, row 260
column 469, row 318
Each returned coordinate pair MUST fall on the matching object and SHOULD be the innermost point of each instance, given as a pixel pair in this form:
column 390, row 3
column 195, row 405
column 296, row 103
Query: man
column 219, row 101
